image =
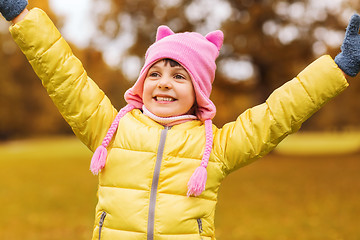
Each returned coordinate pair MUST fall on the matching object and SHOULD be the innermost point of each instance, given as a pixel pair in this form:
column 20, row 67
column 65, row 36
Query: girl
column 160, row 159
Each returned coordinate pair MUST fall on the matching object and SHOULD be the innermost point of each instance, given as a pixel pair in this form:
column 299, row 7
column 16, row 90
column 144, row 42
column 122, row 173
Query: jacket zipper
column 101, row 223
column 199, row 222
column 154, row 185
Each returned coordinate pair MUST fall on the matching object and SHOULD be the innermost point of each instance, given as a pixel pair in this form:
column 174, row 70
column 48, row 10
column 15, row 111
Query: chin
column 164, row 115
column 163, row 112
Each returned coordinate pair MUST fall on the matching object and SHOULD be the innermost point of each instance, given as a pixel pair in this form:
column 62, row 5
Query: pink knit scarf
column 168, row 121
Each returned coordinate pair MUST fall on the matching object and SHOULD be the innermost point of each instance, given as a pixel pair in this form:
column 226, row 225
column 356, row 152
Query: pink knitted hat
column 197, row 54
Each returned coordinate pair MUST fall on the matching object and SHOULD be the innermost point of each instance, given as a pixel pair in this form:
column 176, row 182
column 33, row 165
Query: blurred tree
column 266, row 44
column 24, row 104
column 25, row 107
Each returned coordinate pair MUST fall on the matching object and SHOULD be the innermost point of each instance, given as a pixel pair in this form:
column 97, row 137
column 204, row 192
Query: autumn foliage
column 271, row 40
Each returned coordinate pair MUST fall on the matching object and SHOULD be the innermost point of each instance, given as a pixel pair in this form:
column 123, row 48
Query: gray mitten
column 10, row 9
column 349, row 58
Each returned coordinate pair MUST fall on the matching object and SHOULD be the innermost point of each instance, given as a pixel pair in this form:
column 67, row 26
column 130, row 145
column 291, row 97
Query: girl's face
column 168, row 91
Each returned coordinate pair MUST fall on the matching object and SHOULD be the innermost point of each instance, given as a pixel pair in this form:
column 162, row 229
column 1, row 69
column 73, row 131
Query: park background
column 306, row 189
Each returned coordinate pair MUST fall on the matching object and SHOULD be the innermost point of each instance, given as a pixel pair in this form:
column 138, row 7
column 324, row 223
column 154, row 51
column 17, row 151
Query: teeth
column 165, row 99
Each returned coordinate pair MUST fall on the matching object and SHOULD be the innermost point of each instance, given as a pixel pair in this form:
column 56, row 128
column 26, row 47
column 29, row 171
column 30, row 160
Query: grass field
column 47, row 193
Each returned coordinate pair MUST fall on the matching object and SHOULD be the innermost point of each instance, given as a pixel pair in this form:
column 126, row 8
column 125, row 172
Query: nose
column 164, row 83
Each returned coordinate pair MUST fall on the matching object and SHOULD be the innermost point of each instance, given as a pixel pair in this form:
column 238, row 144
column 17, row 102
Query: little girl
column 160, row 159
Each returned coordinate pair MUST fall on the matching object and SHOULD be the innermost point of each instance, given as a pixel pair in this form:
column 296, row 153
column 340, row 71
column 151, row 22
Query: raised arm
column 82, row 104
column 258, row 130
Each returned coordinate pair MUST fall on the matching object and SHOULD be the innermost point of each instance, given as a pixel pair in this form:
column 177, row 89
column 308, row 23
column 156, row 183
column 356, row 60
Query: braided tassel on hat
column 196, row 184
column 98, row 160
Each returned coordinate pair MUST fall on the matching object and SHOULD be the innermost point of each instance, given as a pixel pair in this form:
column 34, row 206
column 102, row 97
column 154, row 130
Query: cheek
column 147, row 93
column 192, row 93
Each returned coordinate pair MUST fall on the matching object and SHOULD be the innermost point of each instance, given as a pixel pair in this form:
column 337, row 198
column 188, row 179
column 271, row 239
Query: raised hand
column 349, row 58
column 12, row 8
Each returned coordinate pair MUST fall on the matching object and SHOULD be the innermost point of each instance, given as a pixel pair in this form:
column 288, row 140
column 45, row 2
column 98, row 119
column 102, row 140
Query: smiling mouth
column 164, row 99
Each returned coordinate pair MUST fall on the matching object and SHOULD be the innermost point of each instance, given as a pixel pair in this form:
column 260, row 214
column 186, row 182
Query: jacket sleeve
column 80, row 101
column 259, row 130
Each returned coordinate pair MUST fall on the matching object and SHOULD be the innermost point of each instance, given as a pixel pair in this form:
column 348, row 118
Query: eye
column 154, row 74
column 179, row 76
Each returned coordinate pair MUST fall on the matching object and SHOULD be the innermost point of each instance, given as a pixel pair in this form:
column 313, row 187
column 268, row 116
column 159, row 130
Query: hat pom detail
column 98, row 160
column 163, row 31
column 196, row 184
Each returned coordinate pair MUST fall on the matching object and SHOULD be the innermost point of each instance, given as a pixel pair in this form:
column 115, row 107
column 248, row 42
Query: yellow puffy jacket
column 142, row 189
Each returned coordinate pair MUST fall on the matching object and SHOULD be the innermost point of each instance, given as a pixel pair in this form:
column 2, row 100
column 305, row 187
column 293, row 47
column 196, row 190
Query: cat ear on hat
column 216, row 37
column 163, row 31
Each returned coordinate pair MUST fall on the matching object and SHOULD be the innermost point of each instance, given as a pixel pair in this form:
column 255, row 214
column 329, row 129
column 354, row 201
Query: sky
column 77, row 28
